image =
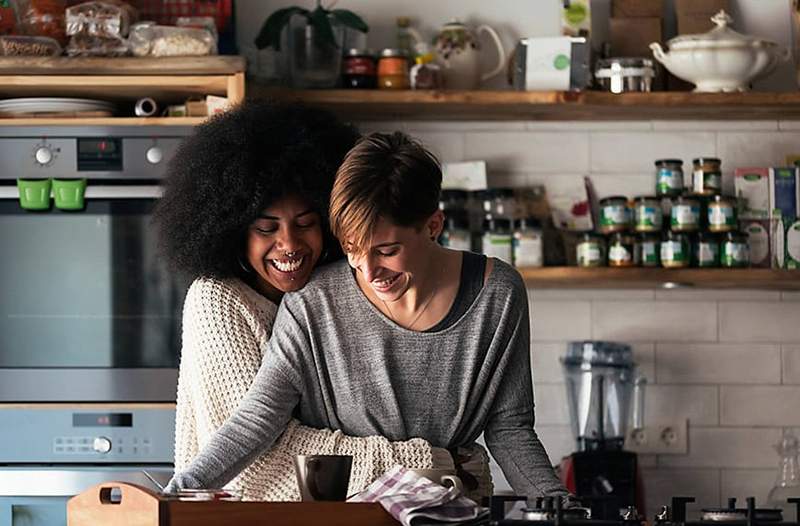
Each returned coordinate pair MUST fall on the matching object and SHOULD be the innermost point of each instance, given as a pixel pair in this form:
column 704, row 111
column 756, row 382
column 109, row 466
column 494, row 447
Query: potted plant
column 315, row 41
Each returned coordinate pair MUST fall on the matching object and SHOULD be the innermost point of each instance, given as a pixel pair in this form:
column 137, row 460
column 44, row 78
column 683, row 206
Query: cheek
column 257, row 248
column 313, row 238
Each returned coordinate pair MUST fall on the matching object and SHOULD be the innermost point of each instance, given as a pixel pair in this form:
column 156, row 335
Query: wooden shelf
column 654, row 278
column 105, row 121
column 546, row 106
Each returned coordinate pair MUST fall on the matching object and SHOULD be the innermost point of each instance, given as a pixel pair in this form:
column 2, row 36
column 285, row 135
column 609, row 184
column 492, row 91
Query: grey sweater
column 337, row 362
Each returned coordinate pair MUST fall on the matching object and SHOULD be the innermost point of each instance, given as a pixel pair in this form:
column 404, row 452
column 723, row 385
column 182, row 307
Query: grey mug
column 323, row 477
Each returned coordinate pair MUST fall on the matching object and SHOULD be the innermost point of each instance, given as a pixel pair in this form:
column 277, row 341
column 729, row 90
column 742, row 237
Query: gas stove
column 549, row 511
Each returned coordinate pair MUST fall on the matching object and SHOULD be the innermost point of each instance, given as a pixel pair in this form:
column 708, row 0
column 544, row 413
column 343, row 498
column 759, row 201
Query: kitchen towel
column 415, row 500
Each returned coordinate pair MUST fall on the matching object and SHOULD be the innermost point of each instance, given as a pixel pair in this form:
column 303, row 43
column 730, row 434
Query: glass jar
column 734, row 251
column 453, row 199
column 705, row 250
column 674, row 250
column 646, row 250
column 707, row 176
column 621, row 250
column 591, row 250
column 721, row 214
column 685, row 214
column 455, row 233
column 393, row 69
column 648, row 215
column 669, row 177
column 426, row 74
column 497, row 239
column 615, row 214
column 499, row 202
column 358, row 69
column 527, row 245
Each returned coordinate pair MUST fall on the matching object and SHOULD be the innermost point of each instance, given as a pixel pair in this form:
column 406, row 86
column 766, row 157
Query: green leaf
column 270, row 34
column 322, row 25
column 350, row 19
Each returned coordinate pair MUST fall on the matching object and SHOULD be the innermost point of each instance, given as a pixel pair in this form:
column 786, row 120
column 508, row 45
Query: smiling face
column 283, row 246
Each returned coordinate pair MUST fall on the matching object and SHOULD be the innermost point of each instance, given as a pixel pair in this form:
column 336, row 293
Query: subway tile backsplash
column 726, row 360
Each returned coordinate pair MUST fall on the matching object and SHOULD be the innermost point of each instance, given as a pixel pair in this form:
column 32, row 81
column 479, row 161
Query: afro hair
column 236, row 165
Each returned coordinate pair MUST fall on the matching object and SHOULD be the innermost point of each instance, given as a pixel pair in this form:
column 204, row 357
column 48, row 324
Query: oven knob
column 43, row 155
column 102, row 445
column 154, row 155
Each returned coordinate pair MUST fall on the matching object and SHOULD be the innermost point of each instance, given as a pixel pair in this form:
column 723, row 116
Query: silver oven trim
column 88, row 385
column 49, row 482
column 102, row 192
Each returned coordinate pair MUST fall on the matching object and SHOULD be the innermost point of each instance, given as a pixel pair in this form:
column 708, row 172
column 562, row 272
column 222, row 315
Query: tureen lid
column 720, row 36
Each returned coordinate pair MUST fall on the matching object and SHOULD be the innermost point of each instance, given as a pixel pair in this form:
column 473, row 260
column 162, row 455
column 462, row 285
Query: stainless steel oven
column 89, row 319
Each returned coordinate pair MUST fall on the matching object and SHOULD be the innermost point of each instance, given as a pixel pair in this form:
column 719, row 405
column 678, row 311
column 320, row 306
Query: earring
column 242, row 264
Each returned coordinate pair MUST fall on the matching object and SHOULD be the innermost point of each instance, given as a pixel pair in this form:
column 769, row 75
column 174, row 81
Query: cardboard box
column 637, row 8
column 631, row 37
column 694, row 24
column 701, row 7
column 758, row 241
column 752, row 192
column 784, row 193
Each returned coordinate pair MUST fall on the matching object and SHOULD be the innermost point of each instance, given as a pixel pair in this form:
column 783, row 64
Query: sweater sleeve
column 509, row 433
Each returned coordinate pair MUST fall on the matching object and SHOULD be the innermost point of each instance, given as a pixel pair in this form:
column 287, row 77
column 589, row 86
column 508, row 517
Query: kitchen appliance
column 89, row 319
column 622, row 75
column 603, row 392
column 552, row 63
column 722, row 59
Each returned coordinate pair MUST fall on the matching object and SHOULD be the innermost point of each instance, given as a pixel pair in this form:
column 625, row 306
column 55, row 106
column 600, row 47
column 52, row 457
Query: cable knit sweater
column 226, row 324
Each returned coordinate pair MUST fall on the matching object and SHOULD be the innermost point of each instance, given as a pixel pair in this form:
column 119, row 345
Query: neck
column 423, row 287
column 265, row 289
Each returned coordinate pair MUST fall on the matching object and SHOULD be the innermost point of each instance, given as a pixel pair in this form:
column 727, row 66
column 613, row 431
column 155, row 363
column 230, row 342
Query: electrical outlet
column 665, row 438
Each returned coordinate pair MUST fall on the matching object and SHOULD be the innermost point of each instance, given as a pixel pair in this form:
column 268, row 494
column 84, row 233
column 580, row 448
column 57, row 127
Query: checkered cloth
column 415, row 500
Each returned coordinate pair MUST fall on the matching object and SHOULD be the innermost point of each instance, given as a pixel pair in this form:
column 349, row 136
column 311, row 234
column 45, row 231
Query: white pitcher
column 458, row 52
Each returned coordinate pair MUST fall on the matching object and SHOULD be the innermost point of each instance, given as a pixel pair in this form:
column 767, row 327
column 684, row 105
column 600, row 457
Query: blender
column 605, row 393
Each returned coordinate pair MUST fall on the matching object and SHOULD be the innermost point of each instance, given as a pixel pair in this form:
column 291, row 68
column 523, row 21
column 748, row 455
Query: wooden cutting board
column 132, row 505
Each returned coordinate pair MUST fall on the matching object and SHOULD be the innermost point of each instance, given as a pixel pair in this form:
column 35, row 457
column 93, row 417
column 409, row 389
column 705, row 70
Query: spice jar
column 707, row 176
column 734, row 251
column 721, row 214
column 669, row 177
column 621, row 250
column 455, row 233
column 648, row 216
column 646, row 250
column 674, row 250
column 393, row 69
column 615, row 214
column 591, row 250
column 685, row 214
column 358, row 69
column 527, row 243
column 705, row 250
column 497, row 238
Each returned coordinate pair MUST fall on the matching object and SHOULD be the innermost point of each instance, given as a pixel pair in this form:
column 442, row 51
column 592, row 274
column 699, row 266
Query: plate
column 53, row 105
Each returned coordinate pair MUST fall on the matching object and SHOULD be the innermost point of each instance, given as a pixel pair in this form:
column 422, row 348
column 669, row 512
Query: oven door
column 88, row 311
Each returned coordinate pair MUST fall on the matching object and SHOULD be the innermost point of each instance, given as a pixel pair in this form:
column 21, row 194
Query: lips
column 382, row 285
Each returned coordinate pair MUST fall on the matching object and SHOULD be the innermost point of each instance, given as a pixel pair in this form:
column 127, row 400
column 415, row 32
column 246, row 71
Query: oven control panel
column 141, row 433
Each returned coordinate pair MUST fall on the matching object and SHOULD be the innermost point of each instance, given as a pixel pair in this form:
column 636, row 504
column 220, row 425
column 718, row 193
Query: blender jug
column 604, row 390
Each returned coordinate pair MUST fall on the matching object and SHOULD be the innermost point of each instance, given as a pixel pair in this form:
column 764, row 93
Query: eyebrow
column 276, row 218
column 388, row 244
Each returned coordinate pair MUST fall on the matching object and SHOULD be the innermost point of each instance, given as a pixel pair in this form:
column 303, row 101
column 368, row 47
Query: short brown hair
column 389, row 176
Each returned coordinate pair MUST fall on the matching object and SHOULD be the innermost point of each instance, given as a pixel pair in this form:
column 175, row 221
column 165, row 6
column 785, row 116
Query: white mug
column 443, row 477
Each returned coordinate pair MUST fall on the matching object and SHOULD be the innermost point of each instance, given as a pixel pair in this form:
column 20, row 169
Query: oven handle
column 66, row 482
column 152, row 191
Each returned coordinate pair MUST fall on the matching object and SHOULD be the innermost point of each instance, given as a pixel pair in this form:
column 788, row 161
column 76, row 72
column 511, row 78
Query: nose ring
column 291, row 254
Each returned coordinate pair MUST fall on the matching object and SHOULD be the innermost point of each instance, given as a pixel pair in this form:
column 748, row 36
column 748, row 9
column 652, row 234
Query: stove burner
column 740, row 514
column 545, row 510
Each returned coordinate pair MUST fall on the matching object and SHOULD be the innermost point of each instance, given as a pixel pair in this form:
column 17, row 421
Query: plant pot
column 313, row 62
column 34, row 194
column 69, row 193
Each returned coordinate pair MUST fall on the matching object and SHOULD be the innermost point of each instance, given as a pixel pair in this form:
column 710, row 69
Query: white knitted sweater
column 226, row 324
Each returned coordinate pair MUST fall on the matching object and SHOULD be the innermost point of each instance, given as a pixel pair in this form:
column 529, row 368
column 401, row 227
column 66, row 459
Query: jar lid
column 611, row 354
column 645, row 198
column 527, row 222
column 613, row 198
column 669, row 161
column 721, row 36
column 496, row 223
column 359, row 52
column 721, row 199
column 393, row 52
column 702, row 160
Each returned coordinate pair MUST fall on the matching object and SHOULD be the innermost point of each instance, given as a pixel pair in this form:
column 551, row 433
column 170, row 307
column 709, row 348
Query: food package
column 22, row 46
column 94, row 46
column 148, row 40
column 752, row 192
column 99, row 19
column 758, row 241
column 200, row 22
column 42, row 18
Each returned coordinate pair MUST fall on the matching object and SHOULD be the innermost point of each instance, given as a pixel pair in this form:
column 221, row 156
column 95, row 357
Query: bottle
column 407, row 36
column 787, row 483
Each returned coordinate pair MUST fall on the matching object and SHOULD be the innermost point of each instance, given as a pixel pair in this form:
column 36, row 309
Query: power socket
column 666, row 438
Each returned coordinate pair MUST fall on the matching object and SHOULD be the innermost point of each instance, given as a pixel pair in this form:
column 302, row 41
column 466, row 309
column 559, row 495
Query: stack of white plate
column 53, row 106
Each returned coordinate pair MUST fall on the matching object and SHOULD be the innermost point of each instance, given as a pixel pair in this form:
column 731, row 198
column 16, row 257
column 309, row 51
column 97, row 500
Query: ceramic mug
column 443, row 477
column 323, row 477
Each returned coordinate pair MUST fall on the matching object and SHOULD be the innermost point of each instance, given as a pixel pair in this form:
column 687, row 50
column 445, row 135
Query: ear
column 434, row 225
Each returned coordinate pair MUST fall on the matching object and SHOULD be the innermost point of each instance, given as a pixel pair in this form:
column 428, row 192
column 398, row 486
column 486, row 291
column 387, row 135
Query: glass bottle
column 787, row 484
column 407, row 37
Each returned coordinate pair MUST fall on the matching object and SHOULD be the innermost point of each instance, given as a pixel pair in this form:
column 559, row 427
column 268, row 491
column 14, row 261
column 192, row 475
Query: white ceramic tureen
column 722, row 59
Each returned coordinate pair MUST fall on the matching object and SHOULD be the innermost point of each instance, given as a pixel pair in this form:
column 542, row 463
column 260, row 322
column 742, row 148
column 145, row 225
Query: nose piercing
column 291, row 254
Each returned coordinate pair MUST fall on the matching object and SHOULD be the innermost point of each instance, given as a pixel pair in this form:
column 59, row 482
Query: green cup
column 34, row 194
column 69, row 193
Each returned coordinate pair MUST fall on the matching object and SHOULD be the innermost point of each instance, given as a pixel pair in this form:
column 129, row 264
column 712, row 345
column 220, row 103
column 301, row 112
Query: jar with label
column 685, row 214
column 721, row 214
column 527, row 244
column 648, row 216
column 425, row 74
column 497, row 239
column 358, row 69
column 734, row 252
column 453, row 199
column 707, row 176
column 499, row 202
column 674, row 250
column 393, row 69
column 591, row 250
column 455, row 233
column 621, row 250
column 615, row 215
column 669, row 177
column 646, row 250
column 705, row 250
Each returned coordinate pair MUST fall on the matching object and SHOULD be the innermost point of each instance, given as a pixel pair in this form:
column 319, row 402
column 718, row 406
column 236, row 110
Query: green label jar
column 735, row 252
column 648, row 213
column 615, row 215
column 674, row 251
column 646, row 252
column 669, row 177
column 590, row 251
column 685, row 215
column 721, row 214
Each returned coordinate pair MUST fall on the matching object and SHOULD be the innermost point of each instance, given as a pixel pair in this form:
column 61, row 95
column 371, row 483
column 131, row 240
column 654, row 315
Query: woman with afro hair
column 244, row 213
